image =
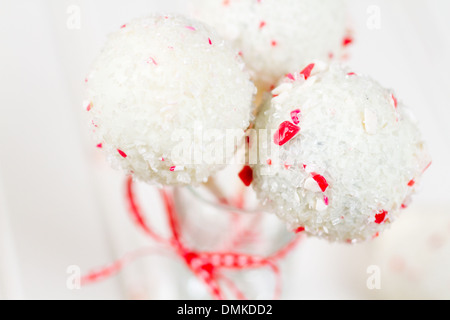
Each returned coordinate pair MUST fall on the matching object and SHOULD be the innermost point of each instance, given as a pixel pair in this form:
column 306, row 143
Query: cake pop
column 349, row 154
column 158, row 88
column 277, row 36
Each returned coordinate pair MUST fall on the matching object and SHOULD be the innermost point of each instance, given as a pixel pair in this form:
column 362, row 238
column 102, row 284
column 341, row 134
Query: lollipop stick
column 259, row 99
column 213, row 186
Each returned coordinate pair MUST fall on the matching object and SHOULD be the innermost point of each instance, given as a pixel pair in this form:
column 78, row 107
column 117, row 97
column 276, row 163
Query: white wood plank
column 53, row 211
column 10, row 282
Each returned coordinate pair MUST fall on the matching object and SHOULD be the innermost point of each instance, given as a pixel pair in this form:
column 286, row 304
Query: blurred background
column 61, row 205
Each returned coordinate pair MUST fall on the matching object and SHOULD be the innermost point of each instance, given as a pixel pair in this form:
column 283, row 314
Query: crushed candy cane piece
column 122, row 154
column 394, row 100
column 300, row 230
column 348, row 40
column 307, row 71
column 176, row 168
column 285, row 133
column 321, row 181
column 294, row 116
column 246, row 175
column 380, row 217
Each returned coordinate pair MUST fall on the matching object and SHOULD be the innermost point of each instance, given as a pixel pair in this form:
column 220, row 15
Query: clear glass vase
column 241, row 244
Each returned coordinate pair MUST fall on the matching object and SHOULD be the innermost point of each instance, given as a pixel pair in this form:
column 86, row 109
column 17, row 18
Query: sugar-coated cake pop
column 277, row 36
column 349, row 154
column 159, row 84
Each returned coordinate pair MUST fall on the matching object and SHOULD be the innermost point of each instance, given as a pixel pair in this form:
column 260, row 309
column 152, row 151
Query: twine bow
column 209, row 267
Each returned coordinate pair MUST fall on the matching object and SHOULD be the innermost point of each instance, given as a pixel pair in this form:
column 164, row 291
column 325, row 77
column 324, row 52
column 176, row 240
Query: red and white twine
column 209, row 267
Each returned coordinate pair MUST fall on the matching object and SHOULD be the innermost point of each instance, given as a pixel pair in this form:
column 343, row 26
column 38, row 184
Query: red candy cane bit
column 394, row 100
column 151, row 60
column 123, row 154
column 274, row 43
column 348, row 40
column 123, row 26
column 247, row 140
column 89, row 107
column 190, row 28
column 269, row 162
column 100, row 145
column 321, row 181
column 326, row 200
column 307, row 71
column 286, row 132
column 294, row 116
column 351, row 74
column 262, row 24
column 210, row 41
column 300, row 230
column 246, row 175
column 411, row 183
column 380, row 217
column 290, row 76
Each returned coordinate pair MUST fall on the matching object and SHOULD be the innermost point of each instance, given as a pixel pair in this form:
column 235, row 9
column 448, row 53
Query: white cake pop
column 350, row 155
column 277, row 36
column 157, row 88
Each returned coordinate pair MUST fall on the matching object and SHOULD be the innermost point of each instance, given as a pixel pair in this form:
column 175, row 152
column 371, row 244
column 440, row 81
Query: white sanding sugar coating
column 350, row 155
column 277, row 36
column 159, row 84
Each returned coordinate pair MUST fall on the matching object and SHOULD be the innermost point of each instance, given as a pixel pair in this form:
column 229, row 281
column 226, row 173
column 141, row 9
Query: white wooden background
column 60, row 204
